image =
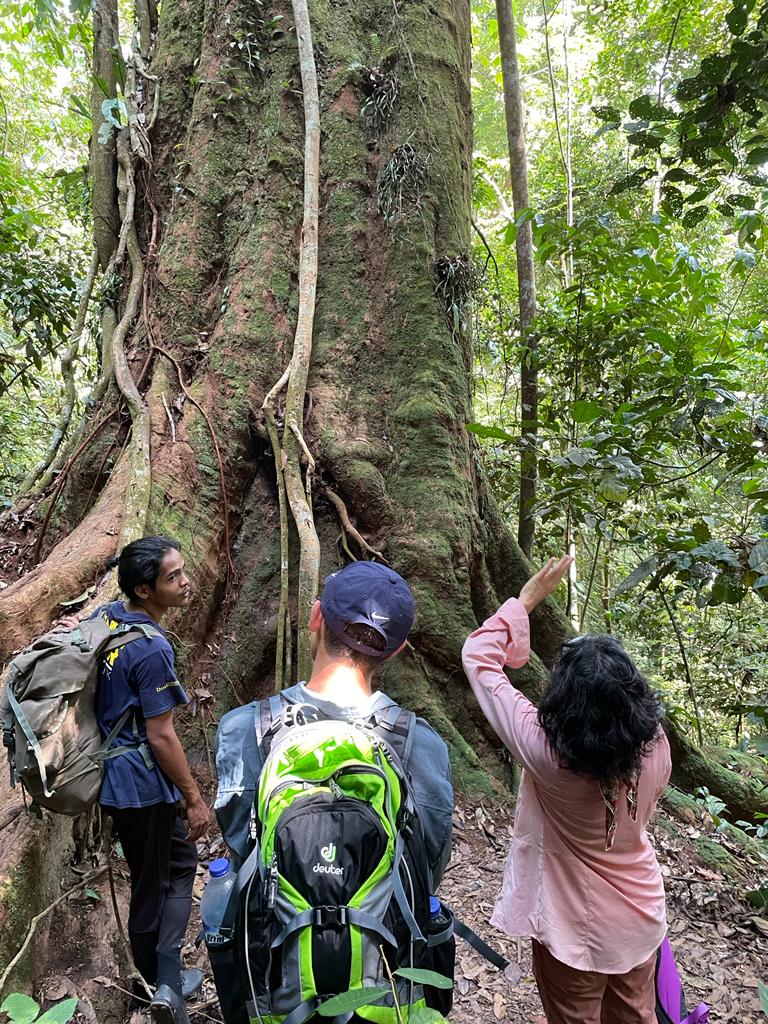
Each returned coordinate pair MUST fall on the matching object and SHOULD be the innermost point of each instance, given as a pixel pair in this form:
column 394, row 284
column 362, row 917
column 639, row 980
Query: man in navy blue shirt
column 143, row 786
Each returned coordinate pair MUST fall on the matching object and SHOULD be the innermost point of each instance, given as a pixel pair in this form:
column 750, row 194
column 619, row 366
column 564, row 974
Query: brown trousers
column 586, row 997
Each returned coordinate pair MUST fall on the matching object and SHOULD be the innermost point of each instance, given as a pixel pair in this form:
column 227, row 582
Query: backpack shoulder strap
column 397, row 725
column 269, row 719
column 29, row 733
column 126, row 632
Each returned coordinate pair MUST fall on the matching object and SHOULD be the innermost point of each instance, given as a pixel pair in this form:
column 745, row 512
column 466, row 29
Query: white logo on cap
column 379, row 618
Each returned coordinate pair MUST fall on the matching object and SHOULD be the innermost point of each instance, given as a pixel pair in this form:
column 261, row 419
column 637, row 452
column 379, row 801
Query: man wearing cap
column 363, row 618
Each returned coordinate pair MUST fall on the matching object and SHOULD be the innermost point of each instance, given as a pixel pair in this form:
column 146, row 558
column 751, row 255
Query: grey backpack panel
column 48, row 714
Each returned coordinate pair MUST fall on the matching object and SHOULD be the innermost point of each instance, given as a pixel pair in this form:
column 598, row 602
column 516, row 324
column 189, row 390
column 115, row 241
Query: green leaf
column 638, row 574
column 758, row 557
column 79, row 107
column 726, row 590
column 737, row 18
column 424, row 977
column 426, row 1015
column 79, row 599
column 579, row 456
column 633, row 180
column 758, row 156
column 480, row 430
column 20, row 1008
column 762, row 991
column 645, row 107
column 607, row 113
column 344, row 1002
column 717, row 551
column 60, row 1013
column 693, row 216
column 92, row 894
column 680, row 174
column 585, row 412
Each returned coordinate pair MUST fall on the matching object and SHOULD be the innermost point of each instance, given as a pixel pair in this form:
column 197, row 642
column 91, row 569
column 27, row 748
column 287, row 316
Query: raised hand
column 545, row 582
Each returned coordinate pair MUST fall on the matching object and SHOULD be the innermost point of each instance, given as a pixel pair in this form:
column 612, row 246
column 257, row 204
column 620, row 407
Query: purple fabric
column 669, row 990
column 698, row 1016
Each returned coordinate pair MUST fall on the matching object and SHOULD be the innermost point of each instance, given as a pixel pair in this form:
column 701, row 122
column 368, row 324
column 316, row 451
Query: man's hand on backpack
column 198, row 817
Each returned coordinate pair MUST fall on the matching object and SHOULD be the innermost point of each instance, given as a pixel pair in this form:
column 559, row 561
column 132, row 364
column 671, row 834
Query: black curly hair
column 599, row 713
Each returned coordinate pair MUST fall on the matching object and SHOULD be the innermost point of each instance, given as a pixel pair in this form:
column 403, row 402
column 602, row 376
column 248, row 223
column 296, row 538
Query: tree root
column 283, row 623
column 212, row 432
column 348, row 527
column 138, row 492
column 288, row 457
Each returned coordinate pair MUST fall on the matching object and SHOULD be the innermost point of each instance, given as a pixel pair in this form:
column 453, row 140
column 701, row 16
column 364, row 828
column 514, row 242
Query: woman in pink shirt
column 582, row 879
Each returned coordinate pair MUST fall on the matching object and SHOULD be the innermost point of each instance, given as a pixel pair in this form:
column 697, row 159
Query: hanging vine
column 289, row 450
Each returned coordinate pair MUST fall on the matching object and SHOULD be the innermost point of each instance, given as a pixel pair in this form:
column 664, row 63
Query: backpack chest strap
column 325, row 917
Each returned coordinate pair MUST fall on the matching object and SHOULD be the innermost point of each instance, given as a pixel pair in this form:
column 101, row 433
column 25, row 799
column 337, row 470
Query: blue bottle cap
column 219, row 867
column 434, row 906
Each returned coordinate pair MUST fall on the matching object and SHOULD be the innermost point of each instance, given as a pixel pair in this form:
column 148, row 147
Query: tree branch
column 91, row 877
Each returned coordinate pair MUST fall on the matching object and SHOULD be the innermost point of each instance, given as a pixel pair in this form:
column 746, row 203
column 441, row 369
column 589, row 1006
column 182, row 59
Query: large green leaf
column 61, row 1013
column 424, row 977
column 758, row 557
column 480, row 430
column 345, row 1002
column 585, row 411
column 20, row 1008
column 638, row 574
column 758, row 897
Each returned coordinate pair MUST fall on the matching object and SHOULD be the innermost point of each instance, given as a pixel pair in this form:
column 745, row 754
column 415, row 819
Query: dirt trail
column 720, row 940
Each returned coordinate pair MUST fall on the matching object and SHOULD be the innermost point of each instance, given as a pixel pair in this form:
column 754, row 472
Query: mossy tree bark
column 218, row 217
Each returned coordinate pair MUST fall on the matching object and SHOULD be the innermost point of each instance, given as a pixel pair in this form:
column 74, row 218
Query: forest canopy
column 646, row 149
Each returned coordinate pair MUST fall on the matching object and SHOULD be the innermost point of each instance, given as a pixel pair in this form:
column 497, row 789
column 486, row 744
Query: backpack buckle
column 330, row 917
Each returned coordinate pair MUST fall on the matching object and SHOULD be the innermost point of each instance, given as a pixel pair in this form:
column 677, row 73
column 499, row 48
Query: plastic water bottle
column 216, row 896
column 438, row 919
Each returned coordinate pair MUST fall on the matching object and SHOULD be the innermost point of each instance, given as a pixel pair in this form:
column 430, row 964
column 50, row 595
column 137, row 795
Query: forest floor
column 720, row 940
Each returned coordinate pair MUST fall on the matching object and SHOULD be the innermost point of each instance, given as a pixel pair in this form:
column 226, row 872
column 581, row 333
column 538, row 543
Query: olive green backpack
column 48, row 714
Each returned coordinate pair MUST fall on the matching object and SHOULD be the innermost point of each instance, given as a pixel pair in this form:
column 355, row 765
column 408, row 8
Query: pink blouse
column 594, row 909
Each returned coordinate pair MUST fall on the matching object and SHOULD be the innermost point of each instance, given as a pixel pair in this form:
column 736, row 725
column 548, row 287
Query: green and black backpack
column 335, row 894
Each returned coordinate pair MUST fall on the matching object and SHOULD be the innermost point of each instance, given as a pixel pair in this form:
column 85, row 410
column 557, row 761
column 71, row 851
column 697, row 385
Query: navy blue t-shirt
column 139, row 675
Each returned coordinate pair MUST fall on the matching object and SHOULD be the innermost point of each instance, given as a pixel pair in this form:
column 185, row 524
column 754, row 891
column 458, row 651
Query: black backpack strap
column 397, row 726
column 270, row 716
column 477, row 943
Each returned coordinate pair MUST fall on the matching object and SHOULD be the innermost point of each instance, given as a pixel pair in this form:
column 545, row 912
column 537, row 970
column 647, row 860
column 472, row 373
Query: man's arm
column 170, row 755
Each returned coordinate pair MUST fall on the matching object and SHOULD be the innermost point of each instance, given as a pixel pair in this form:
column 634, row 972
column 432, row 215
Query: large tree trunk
column 219, row 214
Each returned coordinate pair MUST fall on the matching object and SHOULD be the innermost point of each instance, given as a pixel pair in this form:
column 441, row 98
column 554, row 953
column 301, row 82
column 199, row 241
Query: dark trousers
column 162, row 863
